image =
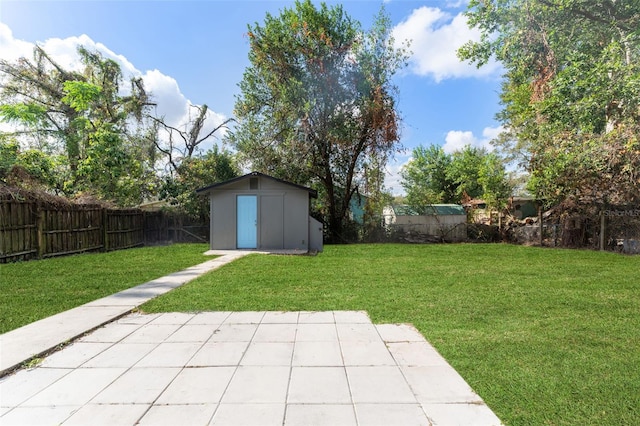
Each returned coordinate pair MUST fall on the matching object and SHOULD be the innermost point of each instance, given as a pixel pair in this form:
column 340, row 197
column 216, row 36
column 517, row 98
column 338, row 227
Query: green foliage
column 572, row 79
column 317, row 102
column 496, row 188
column 589, row 167
column 464, row 171
column 426, row 179
column 39, row 165
column 8, row 156
column 28, row 168
column 109, row 171
column 194, row 173
column 434, row 177
column 80, row 95
column 84, row 117
column 28, row 113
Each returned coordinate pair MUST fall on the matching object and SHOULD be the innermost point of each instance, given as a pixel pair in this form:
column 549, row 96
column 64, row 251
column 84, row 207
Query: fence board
column 30, row 229
column 125, row 229
column 17, row 230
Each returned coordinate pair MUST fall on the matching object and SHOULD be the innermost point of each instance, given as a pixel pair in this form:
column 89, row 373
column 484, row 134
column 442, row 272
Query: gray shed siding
column 282, row 220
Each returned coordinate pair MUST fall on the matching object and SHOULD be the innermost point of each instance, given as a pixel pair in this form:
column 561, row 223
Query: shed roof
column 430, row 209
column 219, row 185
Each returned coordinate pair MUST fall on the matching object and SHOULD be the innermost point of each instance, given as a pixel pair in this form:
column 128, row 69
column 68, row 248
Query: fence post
column 540, row 223
column 105, row 235
column 40, row 229
column 603, row 229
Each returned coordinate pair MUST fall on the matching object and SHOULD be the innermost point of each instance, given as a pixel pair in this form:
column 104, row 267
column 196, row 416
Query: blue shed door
column 247, row 221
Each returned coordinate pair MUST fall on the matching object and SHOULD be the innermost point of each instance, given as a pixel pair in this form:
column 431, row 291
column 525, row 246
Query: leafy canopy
column 317, row 103
column 80, row 122
column 433, row 177
column 570, row 92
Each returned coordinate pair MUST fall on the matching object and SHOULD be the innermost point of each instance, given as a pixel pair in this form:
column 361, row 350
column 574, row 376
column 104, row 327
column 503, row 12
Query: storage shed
column 257, row 211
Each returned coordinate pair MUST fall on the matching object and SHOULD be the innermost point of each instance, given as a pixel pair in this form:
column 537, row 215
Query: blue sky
column 196, row 51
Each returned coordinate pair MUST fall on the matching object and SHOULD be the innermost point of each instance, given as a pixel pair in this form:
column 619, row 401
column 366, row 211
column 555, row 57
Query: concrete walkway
column 228, row 368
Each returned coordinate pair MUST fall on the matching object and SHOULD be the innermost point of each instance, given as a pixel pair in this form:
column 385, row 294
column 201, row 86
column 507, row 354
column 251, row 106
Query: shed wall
column 283, row 215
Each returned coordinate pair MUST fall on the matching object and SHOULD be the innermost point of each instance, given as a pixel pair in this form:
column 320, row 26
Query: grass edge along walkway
column 544, row 336
column 30, row 291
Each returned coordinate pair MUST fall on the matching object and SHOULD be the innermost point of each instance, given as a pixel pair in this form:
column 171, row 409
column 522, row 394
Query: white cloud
column 457, row 139
column 172, row 104
column 10, row 48
column 176, row 109
column 435, row 37
column 456, row 3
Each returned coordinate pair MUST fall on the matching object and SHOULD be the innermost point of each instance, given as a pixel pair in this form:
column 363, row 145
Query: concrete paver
column 178, row 414
column 414, row 354
column 276, row 317
column 76, row 388
column 76, row 355
column 258, row 385
column 316, row 333
column 137, row 386
column 275, row 333
column 460, row 414
column 317, row 354
column 33, row 339
column 124, row 355
column 228, row 368
column 391, row 415
column 320, row 415
column 24, row 384
column 30, row 416
column 268, row 353
column 204, row 385
column 219, row 354
column 106, row 415
column 366, row 353
column 439, row 384
column 380, row 384
column 234, row 333
column 360, row 332
column 249, row 414
column 319, row 385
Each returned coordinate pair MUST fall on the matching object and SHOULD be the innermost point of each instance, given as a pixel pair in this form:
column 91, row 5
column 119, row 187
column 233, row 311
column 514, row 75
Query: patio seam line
column 344, row 369
column 153, row 288
column 170, row 382
column 286, row 395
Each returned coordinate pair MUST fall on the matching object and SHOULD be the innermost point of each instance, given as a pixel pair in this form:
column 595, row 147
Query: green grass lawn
column 33, row 290
column 545, row 336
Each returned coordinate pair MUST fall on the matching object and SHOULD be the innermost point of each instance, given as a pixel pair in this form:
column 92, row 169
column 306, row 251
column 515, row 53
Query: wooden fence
column 34, row 230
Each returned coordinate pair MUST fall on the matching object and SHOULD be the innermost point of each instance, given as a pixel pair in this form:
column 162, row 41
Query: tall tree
column 433, row 176
column 426, row 179
column 83, row 115
column 317, row 102
column 196, row 172
column 570, row 91
column 464, row 172
column 183, row 143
